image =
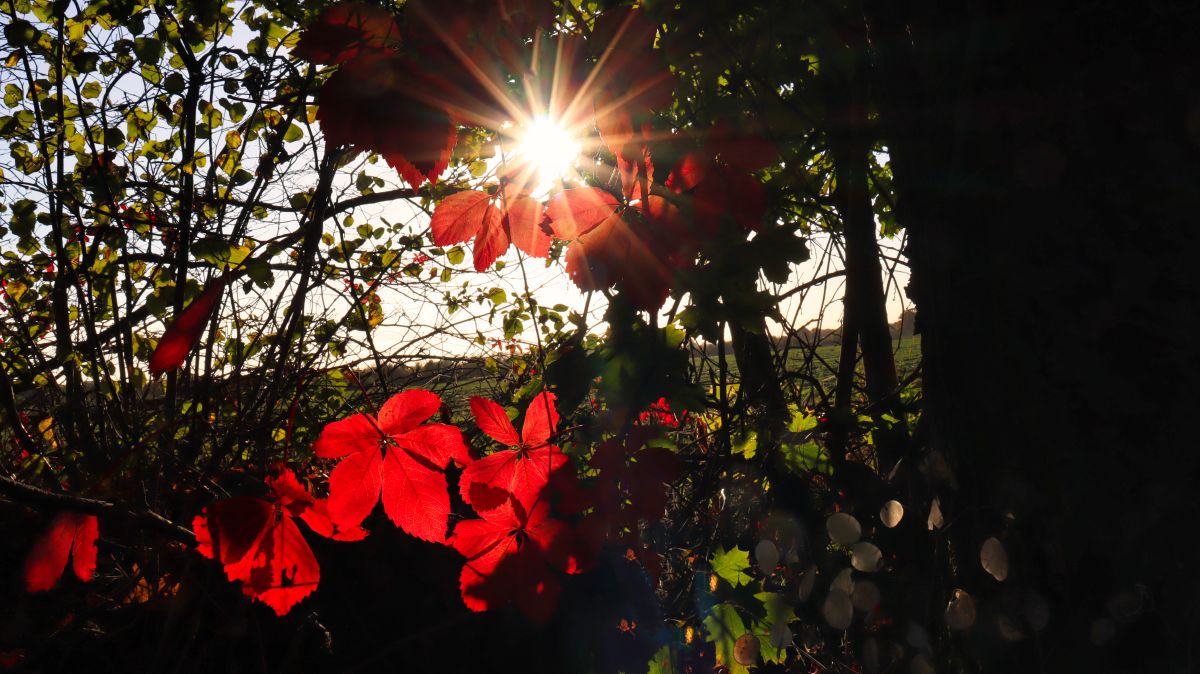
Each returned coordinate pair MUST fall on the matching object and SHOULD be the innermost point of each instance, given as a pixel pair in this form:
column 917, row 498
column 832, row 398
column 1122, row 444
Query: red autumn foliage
column 375, row 100
column 347, row 31
column 493, row 222
column 629, row 487
column 70, row 535
column 531, row 472
column 514, row 556
column 637, row 247
column 718, row 177
column 260, row 546
column 184, row 332
column 394, row 458
column 660, row 413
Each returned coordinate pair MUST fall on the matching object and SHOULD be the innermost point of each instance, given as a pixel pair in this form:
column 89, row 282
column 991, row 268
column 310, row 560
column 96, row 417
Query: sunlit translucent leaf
column 723, row 627
column 183, row 333
column 70, row 535
column 731, row 565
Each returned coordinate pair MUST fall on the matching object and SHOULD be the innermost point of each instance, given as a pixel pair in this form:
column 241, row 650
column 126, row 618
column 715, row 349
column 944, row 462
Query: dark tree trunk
column 1047, row 164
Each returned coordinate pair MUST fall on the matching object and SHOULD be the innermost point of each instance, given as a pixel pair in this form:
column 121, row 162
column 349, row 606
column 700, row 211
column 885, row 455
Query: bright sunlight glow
column 550, row 150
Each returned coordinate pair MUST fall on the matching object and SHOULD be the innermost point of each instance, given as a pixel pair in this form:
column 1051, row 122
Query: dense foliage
column 238, row 316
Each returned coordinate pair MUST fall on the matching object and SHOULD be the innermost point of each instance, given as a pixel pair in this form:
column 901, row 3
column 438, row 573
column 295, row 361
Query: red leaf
column 515, row 558
column 436, row 443
column 415, row 496
column 460, row 216
column 70, row 534
column 354, row 487
column 406, row 410
column 401, row 463
column 491, row 419
column 524, row 220
column 369, row 103
column 491, row 242
column 346, row 31
column 314, row 511
column 523, row 473
column 183, row 333
column 282, row 568
column 541, row 420
column 492, row 222
column 352, row 434
column 575, row 212
column 259, row 545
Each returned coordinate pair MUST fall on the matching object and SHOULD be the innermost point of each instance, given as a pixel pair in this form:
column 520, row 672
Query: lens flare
column 549, row 149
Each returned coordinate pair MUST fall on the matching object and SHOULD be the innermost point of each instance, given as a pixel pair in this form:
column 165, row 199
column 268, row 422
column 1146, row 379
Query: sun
column 550, row 150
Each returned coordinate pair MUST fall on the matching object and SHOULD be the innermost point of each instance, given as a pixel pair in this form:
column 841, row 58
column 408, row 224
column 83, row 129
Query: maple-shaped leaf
column 184, row 332
column 529, row 470
column 347, row 31
column 395, row 459
column 70, row 535
column 259, row 545
column 493, row 222
column 514, row 556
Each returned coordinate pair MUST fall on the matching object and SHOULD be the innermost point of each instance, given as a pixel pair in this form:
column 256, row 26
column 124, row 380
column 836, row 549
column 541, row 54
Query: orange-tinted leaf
column 467, row 215
column 575, row 212
column 70, row 535
column 183, row 333
column 524, row 219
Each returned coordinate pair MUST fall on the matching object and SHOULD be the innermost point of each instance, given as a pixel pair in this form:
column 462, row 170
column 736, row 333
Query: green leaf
column 746, row 444
column 293, row 134
column 663, row 662
column 722, row 627
column 91, row 90
column 731, row 565
column 12, row 95
column 148, row 49
column 779, row 610
column 456, row 255
column 20, row 33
